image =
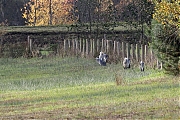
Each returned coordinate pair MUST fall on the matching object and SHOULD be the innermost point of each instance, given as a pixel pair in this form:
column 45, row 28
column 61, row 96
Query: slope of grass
column 71, row 88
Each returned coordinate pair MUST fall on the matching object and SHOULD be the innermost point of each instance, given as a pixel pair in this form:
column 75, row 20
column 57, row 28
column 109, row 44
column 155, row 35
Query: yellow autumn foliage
column 104, row 4
column 37, row 12
column 167, row 12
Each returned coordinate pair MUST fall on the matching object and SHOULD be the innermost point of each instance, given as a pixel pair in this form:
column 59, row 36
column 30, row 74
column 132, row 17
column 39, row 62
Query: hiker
column 126, row 63
column 141, row 66
column 102, row 59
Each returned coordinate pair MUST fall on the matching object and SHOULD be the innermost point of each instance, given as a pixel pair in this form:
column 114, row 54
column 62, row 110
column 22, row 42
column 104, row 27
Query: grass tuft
column 118, row 79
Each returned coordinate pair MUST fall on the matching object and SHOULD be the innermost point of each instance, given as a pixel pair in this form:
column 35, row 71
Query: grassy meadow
column 78, row 88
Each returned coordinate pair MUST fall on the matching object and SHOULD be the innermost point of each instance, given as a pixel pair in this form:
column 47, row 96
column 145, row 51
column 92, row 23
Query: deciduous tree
column 49, row 12
column 167, row 12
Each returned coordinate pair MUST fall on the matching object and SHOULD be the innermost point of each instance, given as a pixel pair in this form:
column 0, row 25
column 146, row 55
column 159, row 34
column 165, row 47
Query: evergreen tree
column 166, row 44
column 166, row 34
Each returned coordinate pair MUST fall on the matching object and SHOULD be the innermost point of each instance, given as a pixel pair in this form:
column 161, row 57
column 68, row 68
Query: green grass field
column 78, row 88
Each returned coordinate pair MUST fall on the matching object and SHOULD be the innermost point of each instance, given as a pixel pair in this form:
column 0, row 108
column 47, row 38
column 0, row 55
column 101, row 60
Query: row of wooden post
column 117, row 49
column 29, row 45
column 113, row 48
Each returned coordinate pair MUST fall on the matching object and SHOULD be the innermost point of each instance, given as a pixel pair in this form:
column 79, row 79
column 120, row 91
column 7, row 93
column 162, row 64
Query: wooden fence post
column 115, row 48
column 142, row 52
column 109, row 44
column 118, row 49
column 1, row 45
column 73, row 46
column 91, row 47
column 146, row 53
column 94, row 47
column 98, row 45
column 128, row 50
column 69, row 44
column 137, row 53
column 84, row 47
column 102, row 43
column 77, row 46
column 29, row 45
column 58, row 48
column 105, row 45
column 87, row 47
column 161, row 64
column 133, row 51
column 80, row 45
column 123, row 50
column 65, row 46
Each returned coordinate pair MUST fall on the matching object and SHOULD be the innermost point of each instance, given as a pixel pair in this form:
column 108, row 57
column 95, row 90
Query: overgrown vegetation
column 166, row 44
column 78, row 88
column 165, row 34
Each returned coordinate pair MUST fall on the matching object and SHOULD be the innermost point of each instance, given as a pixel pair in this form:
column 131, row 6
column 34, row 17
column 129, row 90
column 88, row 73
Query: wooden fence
column 91, row 48
column 117, row 50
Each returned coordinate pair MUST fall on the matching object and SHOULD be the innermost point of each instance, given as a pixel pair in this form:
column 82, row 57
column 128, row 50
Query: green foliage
column 166, row 44
column 166, row 34
column 167, row 12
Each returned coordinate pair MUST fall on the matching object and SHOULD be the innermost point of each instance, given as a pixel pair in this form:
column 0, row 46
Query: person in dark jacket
column 102, row 59
column 141, row 66
column 126, row 63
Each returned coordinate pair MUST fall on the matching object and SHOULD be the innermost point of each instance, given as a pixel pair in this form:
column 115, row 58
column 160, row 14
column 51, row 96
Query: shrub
column 166, row 44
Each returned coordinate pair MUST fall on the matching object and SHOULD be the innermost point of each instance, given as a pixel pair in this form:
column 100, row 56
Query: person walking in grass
column 102, row 59
column 126, row 63
column 141, row 65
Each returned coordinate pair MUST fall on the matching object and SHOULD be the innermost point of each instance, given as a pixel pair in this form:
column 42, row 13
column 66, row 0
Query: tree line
column 158, row 19
column 58, row 12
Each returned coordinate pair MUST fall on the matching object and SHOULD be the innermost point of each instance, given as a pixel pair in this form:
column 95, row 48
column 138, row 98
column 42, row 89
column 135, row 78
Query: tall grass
column 22, row 74
column 78, row 88
column 32, row 74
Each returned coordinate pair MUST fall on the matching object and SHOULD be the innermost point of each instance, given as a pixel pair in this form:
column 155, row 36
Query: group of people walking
column 102, row 60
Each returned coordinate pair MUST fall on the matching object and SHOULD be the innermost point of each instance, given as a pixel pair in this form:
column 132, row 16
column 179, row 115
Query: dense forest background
column 83, row 11
column 10, row 12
